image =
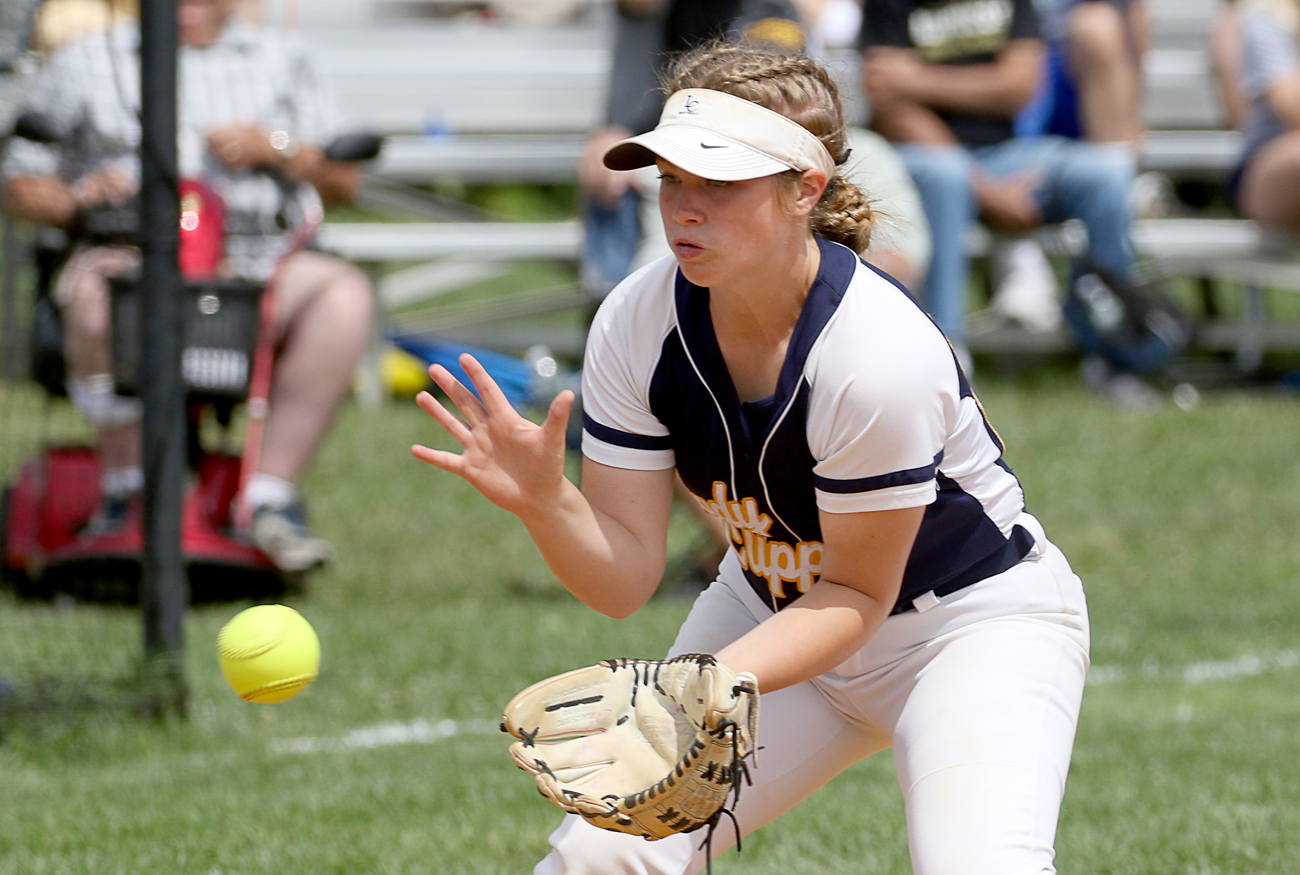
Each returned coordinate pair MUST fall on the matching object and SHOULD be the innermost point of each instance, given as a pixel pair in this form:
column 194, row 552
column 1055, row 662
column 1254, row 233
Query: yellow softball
column 268, row 653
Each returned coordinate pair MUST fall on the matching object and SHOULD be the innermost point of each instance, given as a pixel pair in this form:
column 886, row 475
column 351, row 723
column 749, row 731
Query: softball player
column 885, row 585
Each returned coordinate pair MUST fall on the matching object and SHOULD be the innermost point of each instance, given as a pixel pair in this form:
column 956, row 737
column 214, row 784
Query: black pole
column 162, row 578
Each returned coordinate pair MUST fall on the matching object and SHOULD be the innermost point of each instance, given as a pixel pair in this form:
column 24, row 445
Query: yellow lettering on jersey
column 778, row 561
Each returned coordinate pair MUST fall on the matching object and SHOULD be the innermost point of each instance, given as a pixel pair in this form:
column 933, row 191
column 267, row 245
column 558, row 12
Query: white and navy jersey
column 871, row 412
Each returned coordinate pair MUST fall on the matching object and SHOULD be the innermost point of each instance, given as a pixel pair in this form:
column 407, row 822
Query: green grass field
column 1182, row 524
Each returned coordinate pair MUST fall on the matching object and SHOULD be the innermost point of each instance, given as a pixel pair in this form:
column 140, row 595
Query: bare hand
column 107, row 186
column 602, row 185
column 1008, row 203
column 240, row 147
column 517, row 464
column 890, row 74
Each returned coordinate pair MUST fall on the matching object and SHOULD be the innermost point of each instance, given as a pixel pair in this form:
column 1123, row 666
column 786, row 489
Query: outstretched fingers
column 494, row 401
column 556, row 425
column 469, row 406
column 439, row 458
column 451, row 423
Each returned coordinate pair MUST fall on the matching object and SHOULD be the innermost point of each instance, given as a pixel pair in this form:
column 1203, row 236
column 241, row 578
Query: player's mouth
column 686, row 250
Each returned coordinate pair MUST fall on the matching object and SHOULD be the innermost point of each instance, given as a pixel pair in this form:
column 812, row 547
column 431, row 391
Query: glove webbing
column 739, row 769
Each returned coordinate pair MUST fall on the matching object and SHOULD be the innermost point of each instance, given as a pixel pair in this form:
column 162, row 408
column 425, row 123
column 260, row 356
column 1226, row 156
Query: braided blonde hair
column 801, row 90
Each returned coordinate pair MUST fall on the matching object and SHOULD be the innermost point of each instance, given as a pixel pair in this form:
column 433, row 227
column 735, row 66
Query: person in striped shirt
column 253, row 113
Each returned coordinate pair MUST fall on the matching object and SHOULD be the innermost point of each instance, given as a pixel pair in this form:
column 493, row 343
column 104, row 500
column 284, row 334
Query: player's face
column 721, row 231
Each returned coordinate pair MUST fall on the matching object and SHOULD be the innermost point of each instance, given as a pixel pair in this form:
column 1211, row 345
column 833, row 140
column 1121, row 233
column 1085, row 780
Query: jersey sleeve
column 623, row 346
column 881, row 409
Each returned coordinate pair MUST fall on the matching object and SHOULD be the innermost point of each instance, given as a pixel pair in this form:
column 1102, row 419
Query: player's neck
column 764, row 302
column 754, row 321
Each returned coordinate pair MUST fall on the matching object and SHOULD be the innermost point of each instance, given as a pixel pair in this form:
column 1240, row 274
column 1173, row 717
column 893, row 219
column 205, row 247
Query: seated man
column 945, row 81
column 252, row 116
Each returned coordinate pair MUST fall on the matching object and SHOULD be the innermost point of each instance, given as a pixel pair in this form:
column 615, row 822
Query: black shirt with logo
column 956, row 32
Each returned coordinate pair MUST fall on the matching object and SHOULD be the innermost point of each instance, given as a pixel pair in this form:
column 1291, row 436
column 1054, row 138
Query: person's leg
column 804, row 742
column 1081, row 180
column 611, row 235
column 83, row 295
column 324, row 310
column 1270, row 186
column 1105, row 66
column 983, row 741
column 1092, row 184
column 942, row 176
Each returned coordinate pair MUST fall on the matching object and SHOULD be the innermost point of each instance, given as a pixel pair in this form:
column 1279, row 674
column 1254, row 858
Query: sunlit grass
column 439, row 609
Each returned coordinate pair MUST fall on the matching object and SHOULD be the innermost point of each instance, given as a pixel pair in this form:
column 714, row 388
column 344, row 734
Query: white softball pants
column 978, row 695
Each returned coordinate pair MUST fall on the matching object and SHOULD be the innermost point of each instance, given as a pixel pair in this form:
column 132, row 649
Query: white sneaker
column 1025, row 286
column 1151, row 196
column 282, row 533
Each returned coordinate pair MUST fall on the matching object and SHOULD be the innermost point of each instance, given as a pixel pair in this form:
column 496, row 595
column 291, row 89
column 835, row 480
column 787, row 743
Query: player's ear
column 808, row 192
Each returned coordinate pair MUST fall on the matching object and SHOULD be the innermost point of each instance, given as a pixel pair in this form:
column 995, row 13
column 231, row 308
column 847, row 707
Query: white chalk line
column 422, row 731
column 1196, row 672
column 385, row 735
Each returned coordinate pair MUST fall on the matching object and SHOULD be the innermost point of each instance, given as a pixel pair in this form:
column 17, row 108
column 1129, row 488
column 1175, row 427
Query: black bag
column 1136, row 326
column 221, row 319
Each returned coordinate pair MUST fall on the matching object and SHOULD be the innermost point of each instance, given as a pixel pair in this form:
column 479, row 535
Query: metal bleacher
column 498, row 101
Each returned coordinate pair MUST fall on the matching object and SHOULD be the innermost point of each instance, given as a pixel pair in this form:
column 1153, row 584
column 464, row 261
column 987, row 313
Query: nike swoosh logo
column 707, row 146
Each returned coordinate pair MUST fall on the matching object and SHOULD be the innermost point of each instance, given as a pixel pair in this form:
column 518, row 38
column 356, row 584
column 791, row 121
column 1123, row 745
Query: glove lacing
column 739, row 770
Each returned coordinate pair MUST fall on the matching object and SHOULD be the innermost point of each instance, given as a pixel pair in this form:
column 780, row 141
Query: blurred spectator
column 1224, row 39
column 56, row 22
column 622, row 214
column 831, row 24
column 252, row 118
column 1092, row 86
column 1266, row 185
column 647, row 34
column 946, row 81
column 536, row 12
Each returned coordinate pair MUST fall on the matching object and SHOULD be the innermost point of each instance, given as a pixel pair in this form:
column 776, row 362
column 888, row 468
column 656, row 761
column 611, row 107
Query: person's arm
column 997, row 89
column 1224, row 38
column 50, row 200
column 633, row 102
column 863, row 561
column 605, row 542
column 243, row 147
column 45, row 200
column 602, row 185
column 1284, row 99
column 1271, row 65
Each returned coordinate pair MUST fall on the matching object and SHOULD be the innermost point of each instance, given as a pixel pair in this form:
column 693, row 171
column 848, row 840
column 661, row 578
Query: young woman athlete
column 885, row 583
